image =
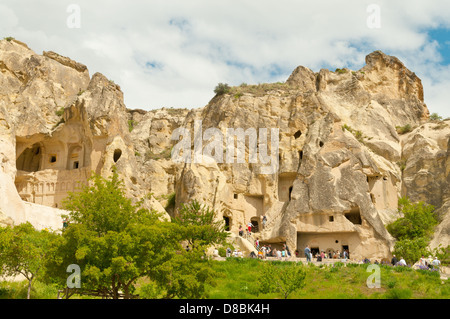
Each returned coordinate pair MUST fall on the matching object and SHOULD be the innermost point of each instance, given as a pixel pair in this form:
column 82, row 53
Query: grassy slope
column 239, row 279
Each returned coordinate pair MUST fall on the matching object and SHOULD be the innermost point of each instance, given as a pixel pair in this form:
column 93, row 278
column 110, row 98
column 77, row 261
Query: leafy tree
column 184, row 276
column 199, row 225
column 413, row 231
column 284, row 280
column 103, row 206
column 418, row 220
column 23, row 251
column 116, row 242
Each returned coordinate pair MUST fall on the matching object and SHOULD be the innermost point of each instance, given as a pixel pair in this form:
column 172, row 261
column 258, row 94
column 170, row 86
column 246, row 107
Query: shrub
column 414, row 230
column 171, row 199
column 403, row 129
column 435, row 117
column 131, row 124
column 402, row 164
column 60, row 112
column 418, row 221
column 222, row 88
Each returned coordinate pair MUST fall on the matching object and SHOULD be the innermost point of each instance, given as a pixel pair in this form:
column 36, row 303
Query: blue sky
column 173, row 53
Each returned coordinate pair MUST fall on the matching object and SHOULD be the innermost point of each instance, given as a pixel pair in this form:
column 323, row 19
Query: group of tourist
column 427, row 263
column 267, row 251
column 320, row 256
column 250, row 226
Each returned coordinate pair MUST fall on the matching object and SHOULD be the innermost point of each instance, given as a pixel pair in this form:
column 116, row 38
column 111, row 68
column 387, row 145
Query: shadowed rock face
column 342, row 164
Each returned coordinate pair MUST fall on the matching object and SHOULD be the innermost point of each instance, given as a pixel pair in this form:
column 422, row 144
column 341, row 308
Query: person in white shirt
column 436, row 262
column 402, row 262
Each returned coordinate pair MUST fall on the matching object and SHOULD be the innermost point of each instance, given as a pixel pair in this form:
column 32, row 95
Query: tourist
column 249, row 228
column 279, row 254
column 286, row 249
column 260, row 254
column 264, row 251
column 65, row 223
column 257, row 243
column 429, row 261
column 228, row 253
column 394, row 260
column 319, row 257
column 241, row 231
column 264, row 221
column 308, row 253
column 322, row 255
column 436, row 263
column 402, row 262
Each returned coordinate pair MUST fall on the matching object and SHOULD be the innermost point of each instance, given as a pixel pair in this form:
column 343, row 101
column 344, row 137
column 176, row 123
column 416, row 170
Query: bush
column 340, row 71
column 418, row 221
column 222, row 88
column 60, row 112
column 414, row 230
column 404, row 129
column 435, row 117
column 131, row 124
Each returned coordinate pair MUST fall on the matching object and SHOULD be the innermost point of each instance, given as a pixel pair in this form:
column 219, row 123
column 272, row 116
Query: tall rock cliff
column 335, row 161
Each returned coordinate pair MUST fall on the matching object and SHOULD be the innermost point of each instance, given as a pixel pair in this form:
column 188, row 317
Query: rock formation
column 340, row 163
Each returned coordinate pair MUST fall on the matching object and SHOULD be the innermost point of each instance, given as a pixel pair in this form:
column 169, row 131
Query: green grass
column 18, row 290
column 238, row 279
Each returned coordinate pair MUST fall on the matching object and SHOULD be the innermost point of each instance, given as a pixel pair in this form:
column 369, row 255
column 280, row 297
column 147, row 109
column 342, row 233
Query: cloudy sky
column 173, row 53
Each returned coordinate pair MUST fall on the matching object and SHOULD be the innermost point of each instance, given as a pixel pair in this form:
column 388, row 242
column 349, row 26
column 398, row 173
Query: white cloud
column 173, row 53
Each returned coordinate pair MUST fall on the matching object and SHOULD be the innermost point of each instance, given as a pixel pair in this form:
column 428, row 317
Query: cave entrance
column 227, row 221
column 30, row 159
column 255, row 223
column 354, row 216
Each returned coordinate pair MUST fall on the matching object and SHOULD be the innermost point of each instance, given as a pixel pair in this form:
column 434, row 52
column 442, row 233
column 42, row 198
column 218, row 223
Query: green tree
column 184, row 276
column 23, row 251
column 116, row 242
column 283, row 279
column 103, row 206
column 413, row 231
column 418, row 220
column 200, row 226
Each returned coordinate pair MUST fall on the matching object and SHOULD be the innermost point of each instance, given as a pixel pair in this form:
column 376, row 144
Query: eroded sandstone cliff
column 341, row 163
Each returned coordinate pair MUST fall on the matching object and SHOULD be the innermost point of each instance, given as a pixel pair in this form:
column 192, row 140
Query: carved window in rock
column 75, row 157
column 117, row 154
